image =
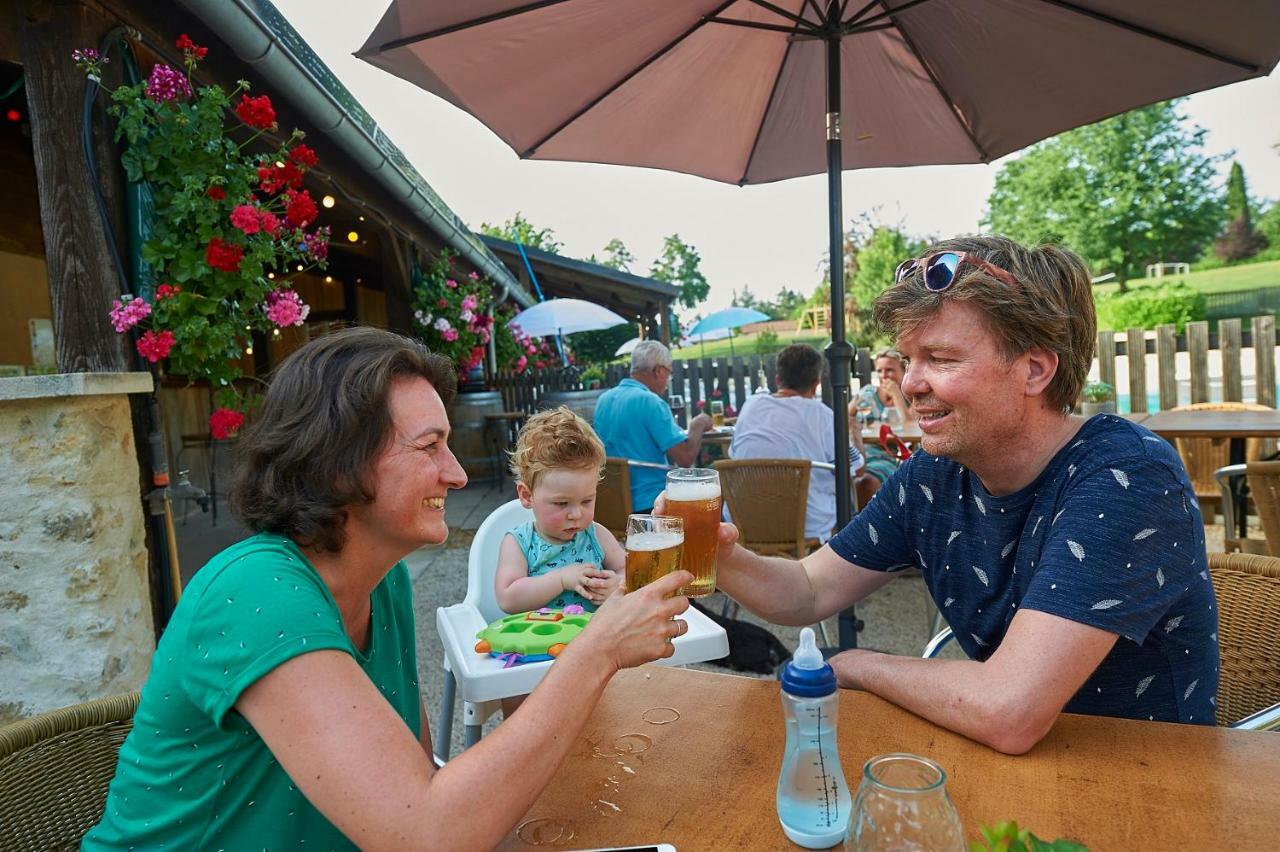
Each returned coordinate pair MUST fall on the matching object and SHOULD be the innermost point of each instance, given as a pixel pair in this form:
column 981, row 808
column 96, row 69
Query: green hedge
column 1148, row 307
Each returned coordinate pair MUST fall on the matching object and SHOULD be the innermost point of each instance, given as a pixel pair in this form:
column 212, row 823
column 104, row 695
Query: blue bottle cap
column 807, row 674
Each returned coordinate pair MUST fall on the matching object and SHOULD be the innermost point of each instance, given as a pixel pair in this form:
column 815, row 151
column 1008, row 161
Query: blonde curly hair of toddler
column 557, row 439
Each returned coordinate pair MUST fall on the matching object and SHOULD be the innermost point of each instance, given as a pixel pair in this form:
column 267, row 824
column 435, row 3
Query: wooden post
column 82, row 274
column 1229, row 344
column 1107, row 357
column 1166, row 365
column 398, row 285
column 1198, row 350
column 1264, row 360
column 1136, row 352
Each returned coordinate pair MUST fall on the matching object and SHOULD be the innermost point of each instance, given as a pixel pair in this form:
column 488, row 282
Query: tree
column 520, row 230
column 680, row 264
column 617, row 256
column 878, row 259
column 1239, row 240
column 1124, row 192
column 785, row 304
column 746, row 299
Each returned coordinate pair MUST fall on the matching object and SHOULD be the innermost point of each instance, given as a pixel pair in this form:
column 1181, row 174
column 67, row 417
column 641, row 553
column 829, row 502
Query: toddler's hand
column 588, row 579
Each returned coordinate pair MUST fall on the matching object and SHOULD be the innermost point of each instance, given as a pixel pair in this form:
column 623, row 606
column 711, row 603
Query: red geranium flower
column 190, row 49
column 217, row 193
column 301, row 210
column 256, row 112
column 223, row 256
column 164, row 291
column 303, row 156
column 273, row 179
column 225, row 422
column 154, row 346
column 246, row 218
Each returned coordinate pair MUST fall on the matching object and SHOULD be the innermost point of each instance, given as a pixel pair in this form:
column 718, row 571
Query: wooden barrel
column 469, row 441
column 581, row 403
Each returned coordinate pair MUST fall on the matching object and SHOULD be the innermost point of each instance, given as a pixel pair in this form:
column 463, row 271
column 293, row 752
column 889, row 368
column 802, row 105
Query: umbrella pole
column 839, row 353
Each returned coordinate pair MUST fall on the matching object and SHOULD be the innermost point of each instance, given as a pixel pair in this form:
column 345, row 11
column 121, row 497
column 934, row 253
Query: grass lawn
column 1249, row 276
column 746, row 345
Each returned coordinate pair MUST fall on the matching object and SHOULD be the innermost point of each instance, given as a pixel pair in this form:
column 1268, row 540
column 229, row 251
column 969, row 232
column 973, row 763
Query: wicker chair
column 1203, row 456
column 55, row 769
column 1264, row 487
column 759, row 493
column 1248, row 590
column 613, row 497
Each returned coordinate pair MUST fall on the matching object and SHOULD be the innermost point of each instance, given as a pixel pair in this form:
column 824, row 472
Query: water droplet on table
column 660, row 715
column 545, row 832
column 605, row 809
column 632, row 744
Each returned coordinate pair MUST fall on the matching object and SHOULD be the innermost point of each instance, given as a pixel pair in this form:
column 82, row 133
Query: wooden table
column 1214, row 424
column 707, row 781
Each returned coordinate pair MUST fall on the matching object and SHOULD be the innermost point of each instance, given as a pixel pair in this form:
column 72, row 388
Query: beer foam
column 654, row 540
column 684, row 491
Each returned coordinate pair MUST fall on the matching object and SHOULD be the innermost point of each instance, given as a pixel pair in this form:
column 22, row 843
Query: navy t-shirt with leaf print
column 1108, row 535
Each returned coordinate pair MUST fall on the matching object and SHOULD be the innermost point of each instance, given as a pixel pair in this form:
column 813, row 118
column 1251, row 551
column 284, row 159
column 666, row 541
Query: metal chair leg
column 470, row 736
column 442, row 742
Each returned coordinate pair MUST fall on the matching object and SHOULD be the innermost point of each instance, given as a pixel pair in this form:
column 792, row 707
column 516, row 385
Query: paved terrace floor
column 897, row 617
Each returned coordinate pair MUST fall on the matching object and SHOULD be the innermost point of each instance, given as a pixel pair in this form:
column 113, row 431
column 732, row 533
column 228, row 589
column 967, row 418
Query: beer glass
column 717, row 413
column 654, row 546
column 693, row 496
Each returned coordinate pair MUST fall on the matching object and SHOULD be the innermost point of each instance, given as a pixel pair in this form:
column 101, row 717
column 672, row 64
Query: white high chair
column 483, row 680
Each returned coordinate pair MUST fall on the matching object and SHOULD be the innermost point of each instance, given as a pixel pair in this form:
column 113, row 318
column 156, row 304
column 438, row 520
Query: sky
column 762, row 237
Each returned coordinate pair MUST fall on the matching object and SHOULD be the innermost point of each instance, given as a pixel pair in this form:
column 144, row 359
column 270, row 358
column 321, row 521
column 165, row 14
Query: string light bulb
column 299, row 267
column 328, row 279
column 248, row 350
column 271, row 275
column 328, row 201
column 275, row 332
column 353, row 237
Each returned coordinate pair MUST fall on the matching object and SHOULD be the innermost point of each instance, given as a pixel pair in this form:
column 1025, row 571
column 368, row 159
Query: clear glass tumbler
column 902, row 806
column 693, row 495
column 655, row 545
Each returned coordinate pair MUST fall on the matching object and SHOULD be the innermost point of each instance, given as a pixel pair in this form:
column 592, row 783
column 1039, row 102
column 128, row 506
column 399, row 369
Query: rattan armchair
column 767, row 500
column 613, row 497
column 55, row 769
column 1248, row 591
column 1202, row 457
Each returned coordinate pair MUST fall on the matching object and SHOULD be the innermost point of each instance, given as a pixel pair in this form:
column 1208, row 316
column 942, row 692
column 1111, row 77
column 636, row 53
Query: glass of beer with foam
column 654, row 548
column 693, row 495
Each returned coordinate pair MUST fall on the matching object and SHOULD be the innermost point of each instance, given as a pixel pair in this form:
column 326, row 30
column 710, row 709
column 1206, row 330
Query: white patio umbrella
column 555, row 317
column 628, row 347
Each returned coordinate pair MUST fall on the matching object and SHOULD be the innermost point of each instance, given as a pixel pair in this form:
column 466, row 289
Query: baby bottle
column 813, row 798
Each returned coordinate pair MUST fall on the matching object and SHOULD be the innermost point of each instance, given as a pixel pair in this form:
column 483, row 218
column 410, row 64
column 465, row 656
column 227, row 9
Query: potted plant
column 1097, row 398
column 593, row 377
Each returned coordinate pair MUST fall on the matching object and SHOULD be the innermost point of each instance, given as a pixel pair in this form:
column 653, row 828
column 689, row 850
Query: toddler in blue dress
column 562, row 556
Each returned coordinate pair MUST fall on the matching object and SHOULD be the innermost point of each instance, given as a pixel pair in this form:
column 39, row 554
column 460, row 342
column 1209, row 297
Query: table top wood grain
column 707, row 780
column 1214, row 424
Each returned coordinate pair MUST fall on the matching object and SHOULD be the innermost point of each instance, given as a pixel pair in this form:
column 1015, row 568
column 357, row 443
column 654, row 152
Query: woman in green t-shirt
column 283, row 708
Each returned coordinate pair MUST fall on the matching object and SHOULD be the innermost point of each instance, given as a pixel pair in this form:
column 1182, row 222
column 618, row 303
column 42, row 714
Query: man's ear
column 524, row 495
column 1042, row 366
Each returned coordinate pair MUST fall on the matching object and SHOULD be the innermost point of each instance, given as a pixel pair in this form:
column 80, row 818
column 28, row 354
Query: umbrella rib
column 887, row 14
column 590, row 105
column 858, row 14
column 1158, row 36
column 778, row 10
column 937, row 84
column 765, row 117
column 756, row 25
column 466, row 25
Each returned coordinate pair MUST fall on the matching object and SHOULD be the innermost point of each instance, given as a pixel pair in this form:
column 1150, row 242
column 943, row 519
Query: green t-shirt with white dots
column 193, row 774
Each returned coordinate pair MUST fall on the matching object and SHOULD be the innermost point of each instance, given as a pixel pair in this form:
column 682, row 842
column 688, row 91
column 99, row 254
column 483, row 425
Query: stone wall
column 75, row 613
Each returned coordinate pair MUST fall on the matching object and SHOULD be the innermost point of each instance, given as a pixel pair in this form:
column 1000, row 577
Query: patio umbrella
column 727, row 319
column 627, row 348
column 564, row 316
column 751, row 91
column 705, row 337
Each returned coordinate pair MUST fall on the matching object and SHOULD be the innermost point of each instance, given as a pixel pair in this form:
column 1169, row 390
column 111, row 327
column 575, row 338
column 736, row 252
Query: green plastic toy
column 531, row 637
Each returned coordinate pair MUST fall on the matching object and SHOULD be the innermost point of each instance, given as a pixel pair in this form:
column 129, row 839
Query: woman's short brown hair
column 323, row 421
column 555, row 440
column 1052, row 309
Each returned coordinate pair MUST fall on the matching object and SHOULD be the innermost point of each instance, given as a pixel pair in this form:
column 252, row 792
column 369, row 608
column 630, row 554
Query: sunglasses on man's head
column 940, row 269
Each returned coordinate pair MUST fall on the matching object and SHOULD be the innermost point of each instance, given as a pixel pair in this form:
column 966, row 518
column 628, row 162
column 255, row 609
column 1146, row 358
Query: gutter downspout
column 254, row 43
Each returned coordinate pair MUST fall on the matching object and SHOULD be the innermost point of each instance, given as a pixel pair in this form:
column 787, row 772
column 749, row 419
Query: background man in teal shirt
column 635, row 423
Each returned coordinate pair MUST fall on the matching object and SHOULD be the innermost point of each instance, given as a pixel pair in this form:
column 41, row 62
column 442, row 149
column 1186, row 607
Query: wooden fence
column 1197, row 342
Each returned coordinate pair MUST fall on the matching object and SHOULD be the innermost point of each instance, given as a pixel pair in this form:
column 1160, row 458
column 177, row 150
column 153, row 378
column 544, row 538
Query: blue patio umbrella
column 729, row 318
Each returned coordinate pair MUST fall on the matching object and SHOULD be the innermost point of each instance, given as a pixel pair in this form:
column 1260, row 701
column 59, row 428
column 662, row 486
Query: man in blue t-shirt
column 1067, row 555
column 635, row 423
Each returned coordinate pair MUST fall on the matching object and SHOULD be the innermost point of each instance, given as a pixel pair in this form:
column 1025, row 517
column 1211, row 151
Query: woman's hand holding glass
column 638, row 627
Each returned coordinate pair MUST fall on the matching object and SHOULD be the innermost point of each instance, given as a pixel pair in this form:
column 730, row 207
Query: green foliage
column 878, row 258
column 1124, row 192
column 680, row 264
column 767, row 342
column 617, row 256
column 786, row 304
column 222, row 222
column 1238, row 205
column 1007, row 837
column 519, row 230
column 1148, row 307
column 592, row 347
column 1098, row 392
column 593, row 373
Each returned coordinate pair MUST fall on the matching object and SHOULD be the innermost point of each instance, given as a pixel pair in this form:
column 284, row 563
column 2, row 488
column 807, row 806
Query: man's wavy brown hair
column 1052, row 308
column 307, row 455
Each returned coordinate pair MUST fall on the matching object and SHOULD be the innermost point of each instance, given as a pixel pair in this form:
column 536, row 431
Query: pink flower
column 270, row 223
column 286, row 308
column 154, row 346
column 317, row 244
column 442, row 304
column 450, row 334
column 541, row 365
column 451, row 284
column 167, row 84
column 521, row 364
column 246, row 218
column 469, row 303
column 125, row 315
column 474, row 276
column 484, row 335
column 467, row 316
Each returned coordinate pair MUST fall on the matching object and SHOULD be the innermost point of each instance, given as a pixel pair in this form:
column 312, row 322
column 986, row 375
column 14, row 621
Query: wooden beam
column 82, row 276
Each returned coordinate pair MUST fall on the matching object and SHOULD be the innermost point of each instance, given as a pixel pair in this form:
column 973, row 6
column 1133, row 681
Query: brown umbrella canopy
column 734, row 91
